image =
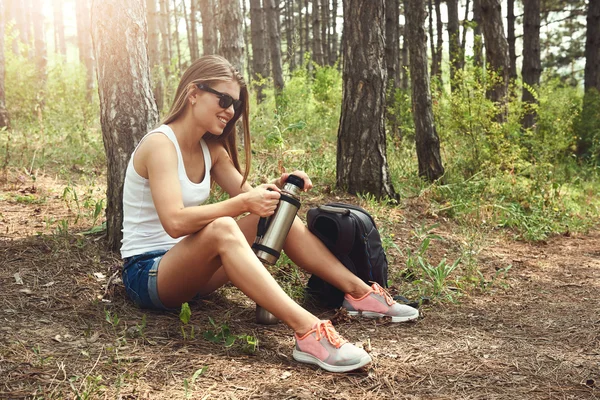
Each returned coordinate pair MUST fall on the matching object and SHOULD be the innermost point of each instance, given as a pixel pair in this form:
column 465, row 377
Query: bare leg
column 190, row 267
column 310, row 254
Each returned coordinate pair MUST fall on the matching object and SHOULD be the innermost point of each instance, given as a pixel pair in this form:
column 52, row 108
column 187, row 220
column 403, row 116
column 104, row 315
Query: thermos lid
column 295, row 180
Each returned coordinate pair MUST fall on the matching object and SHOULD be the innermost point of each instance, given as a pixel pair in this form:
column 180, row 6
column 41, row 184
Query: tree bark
column 431, row 42
column 84, row 44
column 477, row 37
column 316, row 38
column 289, row 34
column 361, row 147
column 272, row 15
column 41, row 58
column 496, row 50
column 127, row 107
column 333, row 57
column 324, row 29
column 259, row 56
column 589, row 131
column 210, row 32
column 532, row 67
column 4, row 120
column 194, row 50
column 427, row 140
column 512, row 53
column 153, row 51
column 165, row 36
column 246, row 38
column 440, row 41
column 454, row 53
column 307, row 43
column 177, row 44
column 404, row 51
column 232, row 40
column 392, row 42
column 59, row 28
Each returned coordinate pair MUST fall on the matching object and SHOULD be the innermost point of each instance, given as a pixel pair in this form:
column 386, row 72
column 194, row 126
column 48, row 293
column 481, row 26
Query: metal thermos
column 273, row 231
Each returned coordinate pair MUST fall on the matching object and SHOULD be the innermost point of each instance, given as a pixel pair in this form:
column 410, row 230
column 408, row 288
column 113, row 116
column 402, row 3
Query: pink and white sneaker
column 323, row 346
column 378, row 303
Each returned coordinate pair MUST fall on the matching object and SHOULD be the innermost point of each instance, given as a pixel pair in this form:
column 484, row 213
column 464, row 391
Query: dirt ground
column 68, row 331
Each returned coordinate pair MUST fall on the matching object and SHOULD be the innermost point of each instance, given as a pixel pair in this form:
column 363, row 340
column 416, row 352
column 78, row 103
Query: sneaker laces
column 330, row 333
column 383, row 293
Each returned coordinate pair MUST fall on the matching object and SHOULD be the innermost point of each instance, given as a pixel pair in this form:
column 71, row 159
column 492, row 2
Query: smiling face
column 207, row 112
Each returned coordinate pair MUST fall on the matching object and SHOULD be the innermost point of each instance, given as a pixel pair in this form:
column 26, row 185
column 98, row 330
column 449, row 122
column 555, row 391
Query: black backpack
column 349, row 232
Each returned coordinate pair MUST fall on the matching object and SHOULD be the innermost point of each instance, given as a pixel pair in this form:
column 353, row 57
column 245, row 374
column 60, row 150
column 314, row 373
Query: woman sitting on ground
column 175, row 248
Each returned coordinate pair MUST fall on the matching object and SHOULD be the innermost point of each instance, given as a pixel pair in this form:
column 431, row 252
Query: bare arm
column 156, row 159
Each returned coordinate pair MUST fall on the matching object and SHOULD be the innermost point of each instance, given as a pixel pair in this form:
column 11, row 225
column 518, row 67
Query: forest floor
column 68, row 331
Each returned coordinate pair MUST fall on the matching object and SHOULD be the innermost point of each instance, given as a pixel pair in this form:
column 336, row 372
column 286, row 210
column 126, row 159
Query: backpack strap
column 340, row 233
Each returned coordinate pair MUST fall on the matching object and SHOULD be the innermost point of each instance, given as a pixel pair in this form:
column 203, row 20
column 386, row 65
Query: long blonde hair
column 210, row 70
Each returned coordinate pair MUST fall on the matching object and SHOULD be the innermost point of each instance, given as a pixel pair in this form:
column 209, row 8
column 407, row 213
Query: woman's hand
column 300, row 174
column 262, row 201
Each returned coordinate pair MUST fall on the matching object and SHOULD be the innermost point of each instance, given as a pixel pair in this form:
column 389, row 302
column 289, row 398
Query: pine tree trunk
column 454, row 45
column 59, row 28
column 532, row 67
column 477, row 36
column 300, row 31
column 361, row 147
column 4, row 120
column 165, row 37
column 392, row 42
column 404, row 50
column 177, row 41
column 496, row 51
column 512, row 53
column 259, row 56
column 38, row 35
column 210, row 31
column 21, row 10
column 316, row 30
column 289, row 34
column 194, row 50
column 119, row 31
column 333, row 57
column 431, row 42
column 324, row 8
column 84, row 43
column 463, row 41
column 153, row 51
column 440, row 41
column 427, row 140
column 308, row 44
column 272, row 15
column 232, row 40
column 589, row 130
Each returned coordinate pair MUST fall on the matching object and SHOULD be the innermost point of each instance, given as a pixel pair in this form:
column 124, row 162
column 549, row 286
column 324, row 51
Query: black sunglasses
column 225, row 100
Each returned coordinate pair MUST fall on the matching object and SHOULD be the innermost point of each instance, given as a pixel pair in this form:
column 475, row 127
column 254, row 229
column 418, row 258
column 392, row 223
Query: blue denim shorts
column 139, row 278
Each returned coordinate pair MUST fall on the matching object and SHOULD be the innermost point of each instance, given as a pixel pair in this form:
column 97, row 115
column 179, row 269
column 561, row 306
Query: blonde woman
column 174, row 247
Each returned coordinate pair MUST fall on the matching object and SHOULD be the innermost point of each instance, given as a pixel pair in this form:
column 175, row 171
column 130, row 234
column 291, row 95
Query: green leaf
column 185, row 313
column 198, row 373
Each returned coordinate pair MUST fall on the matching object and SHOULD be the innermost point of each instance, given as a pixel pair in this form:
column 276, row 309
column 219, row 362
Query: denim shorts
column 139, row 278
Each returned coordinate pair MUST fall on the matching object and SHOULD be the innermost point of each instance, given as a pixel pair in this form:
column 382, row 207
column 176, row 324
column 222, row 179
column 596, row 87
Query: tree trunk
column 84, row 43
column 512, row 53
column 210, row 33
column 165, row 35
column 392, row 42
column 59, row 28
column 477, row 37
column 431, row 42
column 127, row 107
column 589, row 131
column 496, row 51
column 259, row 56
column 404, row 50
column 22, row 23
column 316, row 38
column 4, row 120
column 427, row 140
column 272, row 15
column 300, row 31
column 463, row 41
column 308, row 44
column 333, row 57
column 532, row 67
column 153, row 51
column 232, row 38
column 38, row 35
column 178, row 45
column 324, row 29
column 194, row 50
column 289, row 34
column 246, row 38
column 454, row 52
column 361, row 147
column 440, row 41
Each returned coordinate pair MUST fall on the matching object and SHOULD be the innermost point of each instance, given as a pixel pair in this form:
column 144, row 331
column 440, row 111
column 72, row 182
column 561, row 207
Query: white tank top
column 142, row 230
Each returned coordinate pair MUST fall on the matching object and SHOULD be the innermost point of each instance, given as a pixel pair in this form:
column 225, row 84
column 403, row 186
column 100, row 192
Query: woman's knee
column 225, row 231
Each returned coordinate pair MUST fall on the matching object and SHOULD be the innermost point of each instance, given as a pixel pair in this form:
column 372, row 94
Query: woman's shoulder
column 216, row 149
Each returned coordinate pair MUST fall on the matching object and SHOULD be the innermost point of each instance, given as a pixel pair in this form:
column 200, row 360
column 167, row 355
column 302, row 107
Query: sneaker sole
column 371, row 314
column 306, row 358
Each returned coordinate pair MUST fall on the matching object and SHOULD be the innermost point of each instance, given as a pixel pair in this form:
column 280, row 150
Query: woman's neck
column 187, row 132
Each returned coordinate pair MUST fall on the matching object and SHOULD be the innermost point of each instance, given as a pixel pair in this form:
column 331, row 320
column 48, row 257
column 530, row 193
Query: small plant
column 184, row 316
column 222, row 334
column 111, row 318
